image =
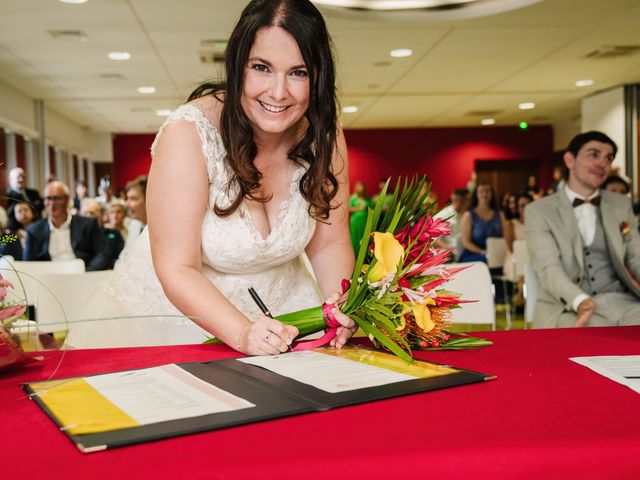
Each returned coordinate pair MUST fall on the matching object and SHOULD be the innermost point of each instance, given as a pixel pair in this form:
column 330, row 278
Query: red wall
column 446, row 155
column 131, row 157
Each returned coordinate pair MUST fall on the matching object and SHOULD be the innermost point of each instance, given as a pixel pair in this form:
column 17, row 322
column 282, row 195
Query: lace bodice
column 234, row 254
column 232, row 244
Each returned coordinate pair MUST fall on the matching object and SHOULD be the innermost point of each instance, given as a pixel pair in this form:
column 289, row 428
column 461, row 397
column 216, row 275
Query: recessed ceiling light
column 350, row 109
column 163, row 113
column 584, row 83
column 527, row 106
column 488, row 121
column 75, row 2
column 401, row 52
column 147, row 90
column 119, row 56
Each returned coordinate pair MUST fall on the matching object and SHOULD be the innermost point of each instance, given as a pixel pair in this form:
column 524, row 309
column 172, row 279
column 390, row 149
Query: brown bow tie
column 595, row 201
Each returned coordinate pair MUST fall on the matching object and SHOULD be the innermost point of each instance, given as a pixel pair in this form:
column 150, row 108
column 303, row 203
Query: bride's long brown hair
column 304, row 22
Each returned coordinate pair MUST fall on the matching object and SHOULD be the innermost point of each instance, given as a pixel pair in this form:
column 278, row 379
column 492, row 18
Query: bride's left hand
column 348, row 327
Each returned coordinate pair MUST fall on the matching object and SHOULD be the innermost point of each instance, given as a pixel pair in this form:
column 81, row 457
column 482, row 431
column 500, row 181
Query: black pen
column 261, row 305
column 259, row 302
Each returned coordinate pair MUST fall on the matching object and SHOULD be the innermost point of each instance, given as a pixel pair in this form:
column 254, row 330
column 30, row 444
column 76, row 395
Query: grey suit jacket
column 556, row 250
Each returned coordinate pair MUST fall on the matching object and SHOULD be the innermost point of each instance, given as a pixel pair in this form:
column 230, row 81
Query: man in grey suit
column 584, row 245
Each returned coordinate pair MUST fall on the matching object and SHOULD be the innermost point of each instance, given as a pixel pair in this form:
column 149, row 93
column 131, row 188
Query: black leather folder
column 274, row 396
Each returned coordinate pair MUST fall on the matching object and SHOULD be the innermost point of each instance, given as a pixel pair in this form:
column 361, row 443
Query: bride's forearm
column 199, row 300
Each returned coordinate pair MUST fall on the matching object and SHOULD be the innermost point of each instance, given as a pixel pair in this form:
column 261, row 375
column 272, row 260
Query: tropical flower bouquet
column 396, row 294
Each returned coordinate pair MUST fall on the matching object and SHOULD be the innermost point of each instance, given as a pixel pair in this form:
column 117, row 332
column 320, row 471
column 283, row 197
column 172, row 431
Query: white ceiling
column 492, row 63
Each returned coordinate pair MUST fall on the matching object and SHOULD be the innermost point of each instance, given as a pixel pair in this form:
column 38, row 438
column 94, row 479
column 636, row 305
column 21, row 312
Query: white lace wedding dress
column 234, row 257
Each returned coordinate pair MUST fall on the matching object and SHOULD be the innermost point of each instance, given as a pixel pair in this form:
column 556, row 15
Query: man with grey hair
column 64, row 237
column 17, row 192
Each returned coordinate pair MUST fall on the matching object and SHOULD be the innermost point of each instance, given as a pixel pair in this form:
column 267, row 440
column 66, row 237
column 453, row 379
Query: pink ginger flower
column 3, row 287
column 12, row 311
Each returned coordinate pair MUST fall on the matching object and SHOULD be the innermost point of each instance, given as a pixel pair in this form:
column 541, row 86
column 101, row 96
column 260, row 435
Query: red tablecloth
column 544, row 417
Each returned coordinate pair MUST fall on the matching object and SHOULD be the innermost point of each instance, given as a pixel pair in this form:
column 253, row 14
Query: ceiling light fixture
column 527, row 106
column 119, row 56
column 74, row 2
column 163, row 112
column 386, row 5
column 401, row 52
column 148, row 90
column 584, row 83
column 350, row 109
column 488, row 121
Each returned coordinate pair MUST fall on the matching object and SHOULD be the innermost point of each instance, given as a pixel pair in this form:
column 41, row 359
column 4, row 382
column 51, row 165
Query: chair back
column 474, row 283
column 531, row 293
column 496, row 251
column 64, row 297
column 25, row 276
column 520, row 257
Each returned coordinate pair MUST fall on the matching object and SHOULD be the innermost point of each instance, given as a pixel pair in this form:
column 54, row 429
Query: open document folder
column 116, row 409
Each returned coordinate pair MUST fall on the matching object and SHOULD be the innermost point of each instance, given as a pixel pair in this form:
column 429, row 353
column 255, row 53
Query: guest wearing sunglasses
column 62, row 236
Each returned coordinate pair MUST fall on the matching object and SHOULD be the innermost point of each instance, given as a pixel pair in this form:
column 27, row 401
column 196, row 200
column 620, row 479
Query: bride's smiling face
column 276, row 87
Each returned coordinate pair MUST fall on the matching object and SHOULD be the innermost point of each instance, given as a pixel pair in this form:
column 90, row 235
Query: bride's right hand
column 267, row 336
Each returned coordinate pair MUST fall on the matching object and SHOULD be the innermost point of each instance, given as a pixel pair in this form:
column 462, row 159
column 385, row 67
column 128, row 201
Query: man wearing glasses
column 61, row 236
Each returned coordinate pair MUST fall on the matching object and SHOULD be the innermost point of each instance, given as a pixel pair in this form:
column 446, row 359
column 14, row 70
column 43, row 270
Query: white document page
column 624, row 369
column 164, row 393
column 326, row 372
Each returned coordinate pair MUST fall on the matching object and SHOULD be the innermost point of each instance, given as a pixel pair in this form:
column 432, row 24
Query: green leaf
column 386, row 341
column 386, row 311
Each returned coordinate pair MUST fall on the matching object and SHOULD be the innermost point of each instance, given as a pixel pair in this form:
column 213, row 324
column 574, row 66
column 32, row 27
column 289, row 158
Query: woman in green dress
column 358, row 205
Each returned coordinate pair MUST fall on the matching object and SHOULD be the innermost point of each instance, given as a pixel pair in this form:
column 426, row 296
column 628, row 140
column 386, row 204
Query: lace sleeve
column 210, row 139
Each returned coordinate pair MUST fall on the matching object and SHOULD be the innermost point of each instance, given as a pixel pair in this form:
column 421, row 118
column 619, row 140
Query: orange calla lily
column 388, row 252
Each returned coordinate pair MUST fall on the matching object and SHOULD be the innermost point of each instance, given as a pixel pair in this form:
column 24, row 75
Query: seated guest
column 20, row 217
column 114, row 242
column 509, row 206
column 128, row 227
column 18, row 192
column 80, row 194
column 136, row 191
column 453, row 214
column 558, row 181
column 615, row 184
column 515, row 230
column 65, row 237
column 584, row 244
column 481, row 221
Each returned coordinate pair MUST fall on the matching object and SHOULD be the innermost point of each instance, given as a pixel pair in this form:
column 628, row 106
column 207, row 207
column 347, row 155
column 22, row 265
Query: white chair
column 474, row 283
column 496, row 254
column 531, row 292
column 63, row 297
column 520, row 258
column 26, row 276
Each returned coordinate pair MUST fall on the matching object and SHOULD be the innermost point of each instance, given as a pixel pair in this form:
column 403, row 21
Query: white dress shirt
column 586, row 216
column 60, row 241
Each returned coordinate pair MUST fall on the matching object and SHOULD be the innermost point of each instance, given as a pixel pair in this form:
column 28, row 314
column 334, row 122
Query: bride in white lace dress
column 245, row 178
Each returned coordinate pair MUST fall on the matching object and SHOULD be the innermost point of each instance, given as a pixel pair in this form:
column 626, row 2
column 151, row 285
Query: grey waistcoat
column 599, row 274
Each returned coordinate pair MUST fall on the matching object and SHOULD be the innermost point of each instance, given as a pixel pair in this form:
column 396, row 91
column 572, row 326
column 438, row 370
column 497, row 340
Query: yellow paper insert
column 80, row 408
column 378, row 359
